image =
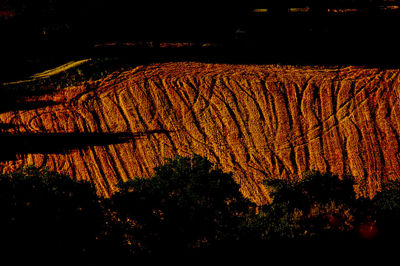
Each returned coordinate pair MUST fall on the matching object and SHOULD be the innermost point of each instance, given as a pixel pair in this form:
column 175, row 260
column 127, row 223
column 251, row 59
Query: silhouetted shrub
column 188, row 207
column 186, row 204
column 319, row 206
column 45, row 213
column 386, row 211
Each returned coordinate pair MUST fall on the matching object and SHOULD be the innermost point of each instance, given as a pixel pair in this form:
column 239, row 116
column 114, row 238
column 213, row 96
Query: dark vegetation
column 188, row 207
column 45, row 213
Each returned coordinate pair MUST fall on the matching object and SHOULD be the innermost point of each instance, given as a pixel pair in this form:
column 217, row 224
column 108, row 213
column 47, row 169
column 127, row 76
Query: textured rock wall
column 253, row 120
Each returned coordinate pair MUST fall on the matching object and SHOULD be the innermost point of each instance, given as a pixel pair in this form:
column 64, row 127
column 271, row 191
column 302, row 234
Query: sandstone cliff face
column 253, row 120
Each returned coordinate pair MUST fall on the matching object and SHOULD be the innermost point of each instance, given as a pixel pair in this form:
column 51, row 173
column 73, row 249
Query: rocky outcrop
column 257, row 121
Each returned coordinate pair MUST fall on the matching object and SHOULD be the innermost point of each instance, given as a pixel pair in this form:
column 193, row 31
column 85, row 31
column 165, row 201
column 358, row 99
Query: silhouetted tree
column 319, row 206
column 186, row 204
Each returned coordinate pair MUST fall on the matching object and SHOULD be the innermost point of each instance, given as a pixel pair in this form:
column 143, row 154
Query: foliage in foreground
column 319, row 206
column 187, row 204
column 187, row 207
column 322, row 206
column 44, row 212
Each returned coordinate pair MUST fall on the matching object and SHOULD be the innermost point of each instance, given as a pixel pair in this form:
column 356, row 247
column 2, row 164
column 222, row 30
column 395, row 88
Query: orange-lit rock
column 253, row 120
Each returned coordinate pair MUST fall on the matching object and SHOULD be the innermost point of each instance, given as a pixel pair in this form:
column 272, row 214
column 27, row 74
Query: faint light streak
column 343, row 10
column 260, row 10
column 299, row 9
column 389, row 7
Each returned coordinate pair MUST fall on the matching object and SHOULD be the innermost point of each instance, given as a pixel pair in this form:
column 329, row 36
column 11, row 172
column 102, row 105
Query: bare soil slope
column 253, row 120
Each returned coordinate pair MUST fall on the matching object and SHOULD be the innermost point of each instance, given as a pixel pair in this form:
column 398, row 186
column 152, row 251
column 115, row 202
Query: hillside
column 253, row 120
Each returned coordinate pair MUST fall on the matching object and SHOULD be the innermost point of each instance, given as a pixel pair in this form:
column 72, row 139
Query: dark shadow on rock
column 24, row 106
column 61, row 143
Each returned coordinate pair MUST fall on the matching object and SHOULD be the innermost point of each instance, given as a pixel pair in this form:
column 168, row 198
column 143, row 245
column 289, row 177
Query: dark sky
column 88, row 20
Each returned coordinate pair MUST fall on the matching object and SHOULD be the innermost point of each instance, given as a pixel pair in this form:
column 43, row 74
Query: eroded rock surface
column 253, row 120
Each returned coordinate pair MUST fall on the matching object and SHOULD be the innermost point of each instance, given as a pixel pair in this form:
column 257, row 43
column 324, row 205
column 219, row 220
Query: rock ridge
column 257, row 121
